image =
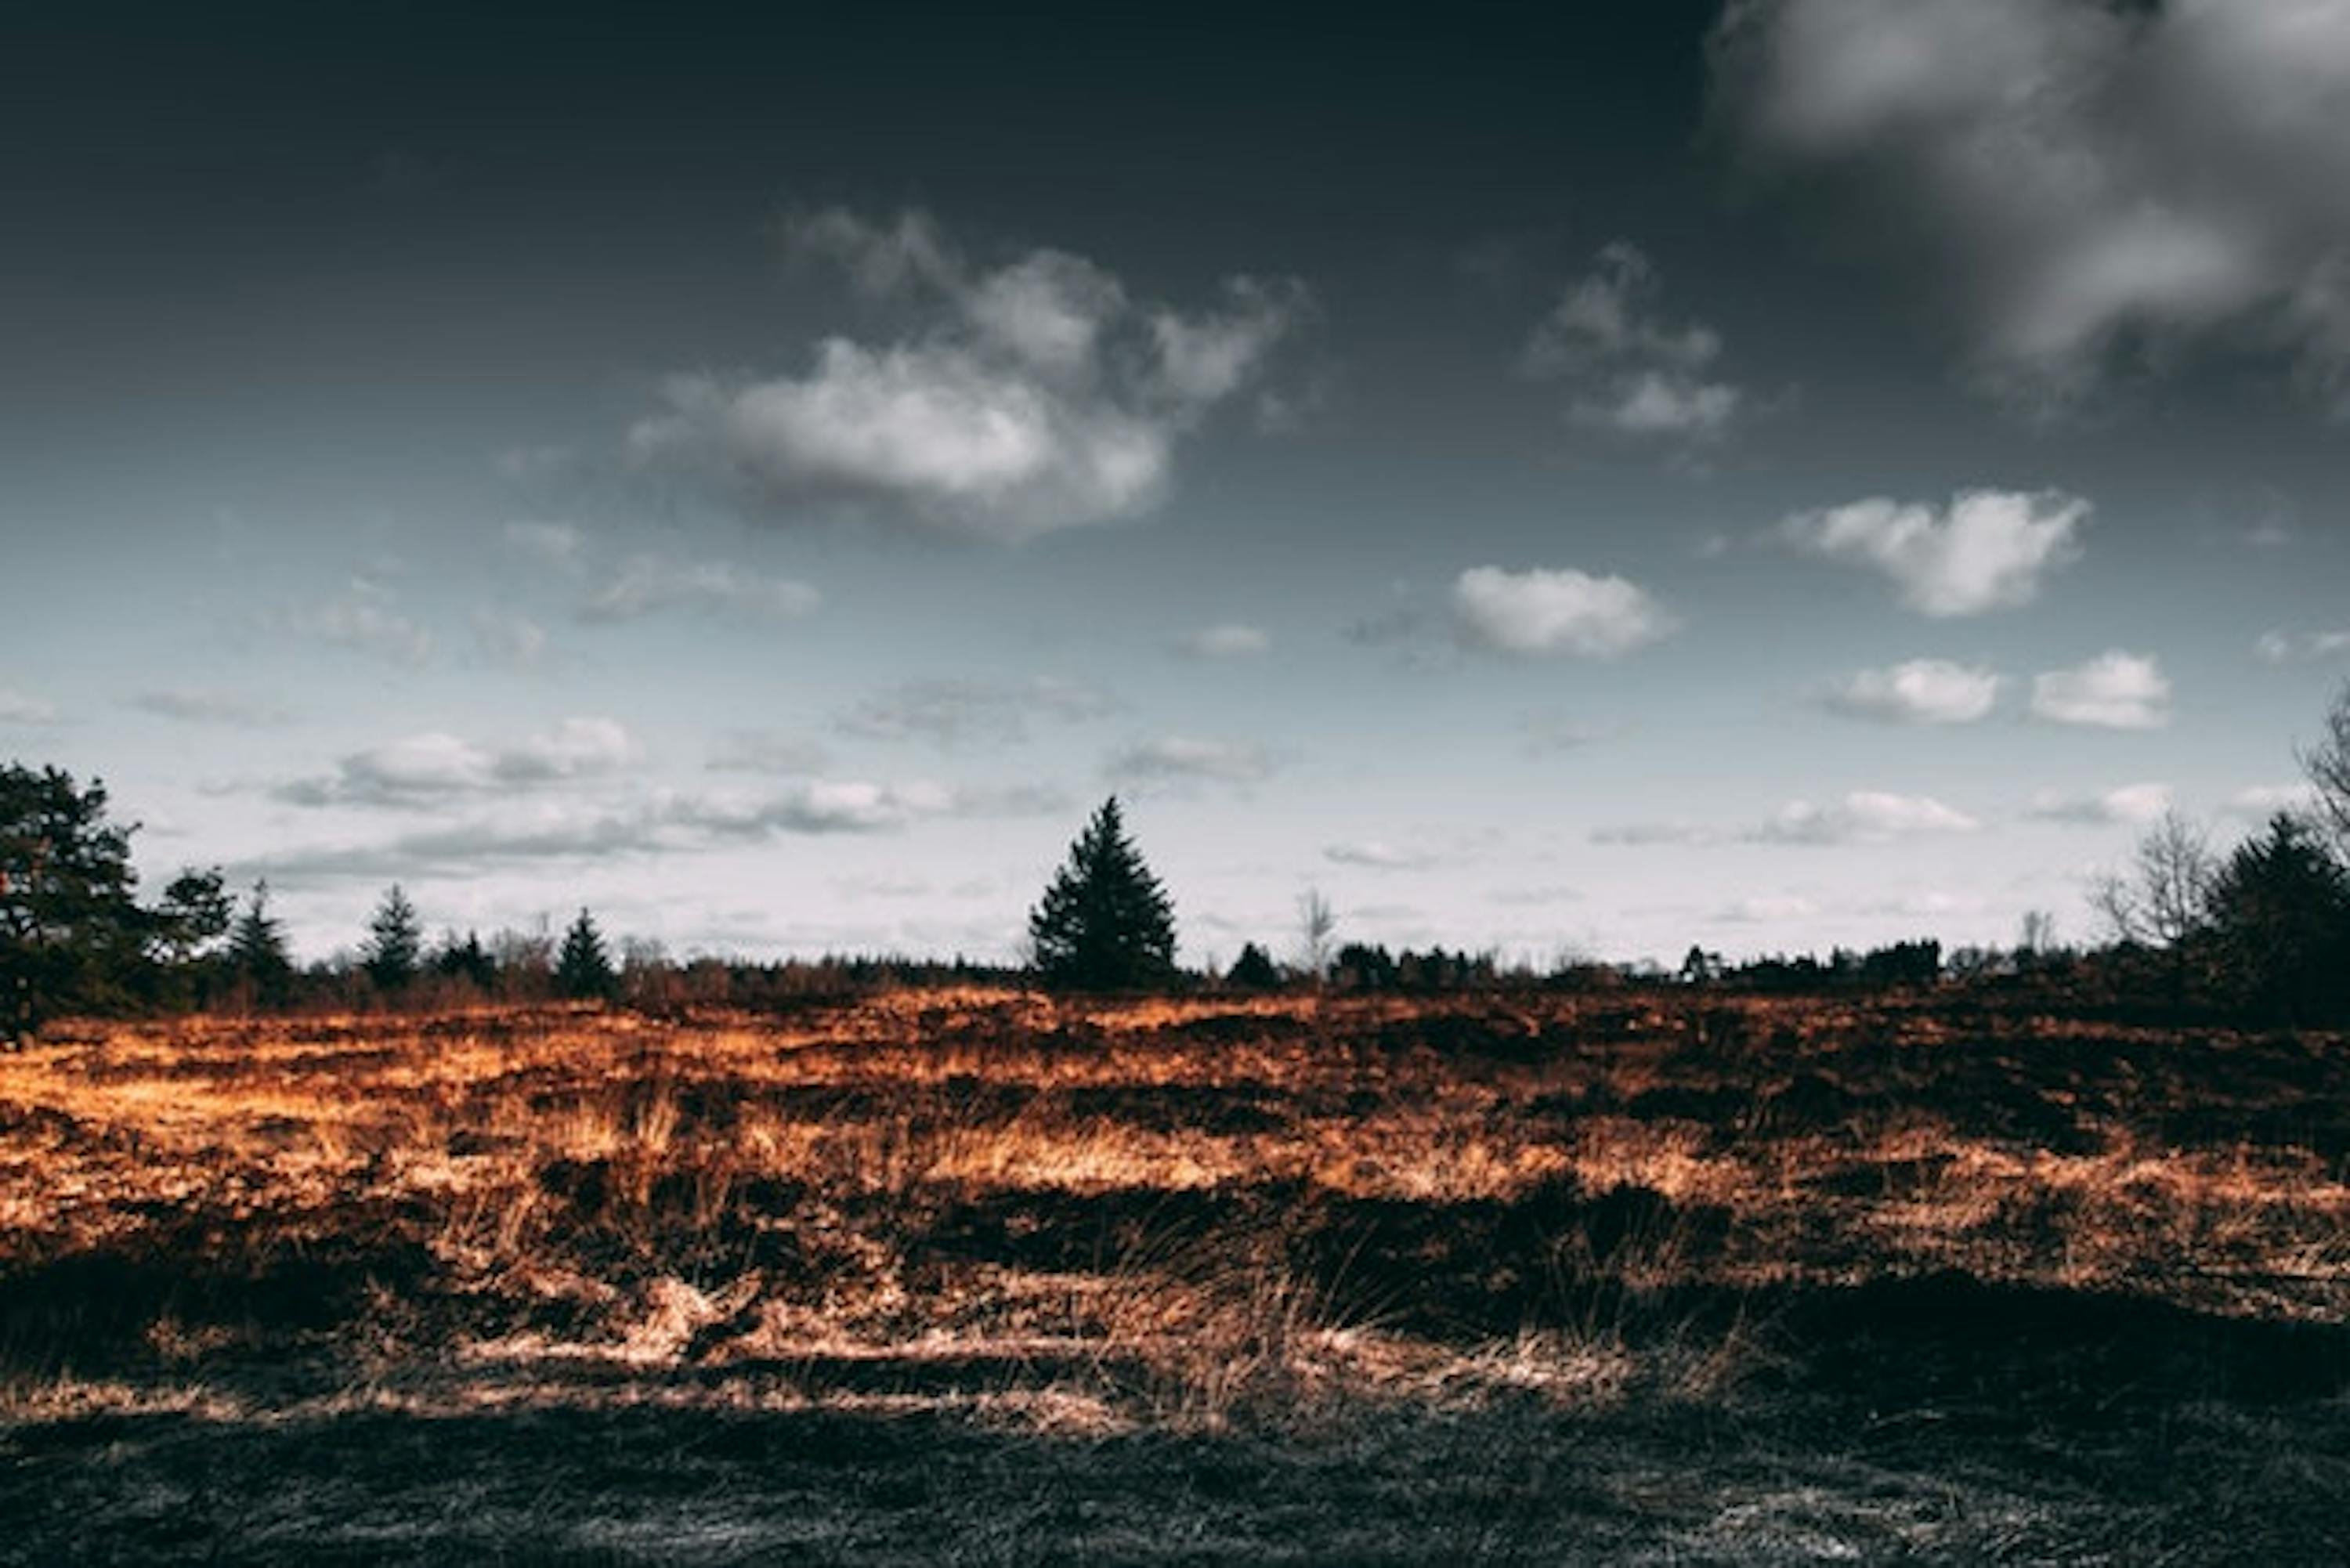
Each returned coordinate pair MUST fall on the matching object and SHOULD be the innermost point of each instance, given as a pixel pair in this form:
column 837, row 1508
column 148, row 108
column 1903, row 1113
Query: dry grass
column 986, row 1227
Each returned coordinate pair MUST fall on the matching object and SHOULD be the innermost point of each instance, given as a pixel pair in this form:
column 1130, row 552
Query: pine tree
column 584, row 970
column 256, row 948
column 468, row 961
column 1254, row 969
column 395, row 942
column 2281, row 908
column 71, row 934
column 1105, row 923
column 196, row 910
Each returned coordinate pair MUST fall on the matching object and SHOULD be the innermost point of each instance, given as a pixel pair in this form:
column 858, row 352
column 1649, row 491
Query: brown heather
column 989, row 1277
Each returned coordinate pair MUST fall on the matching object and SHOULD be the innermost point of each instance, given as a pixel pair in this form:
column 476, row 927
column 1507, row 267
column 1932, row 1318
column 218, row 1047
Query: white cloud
column 1041, row 396
column 1226, row 641
column 1627, row 370
column 1920, row 691
column 1179, row 759
column 1767, row 908
column 958, row 439
column 1206, row 359
column 907, row 253
column 2303, row 648
column 509, row 637
column 1377, row 855
column 432, row 767
column 1563, row 611
column 364, row 618
column 1641, row 835
column 21, row 708
column 1863, row 816
column 1928, row 905
column 961, row 712
column 1534, row 896
column 646, row 585
column 2115, row 691
column 2084, row 177
column 2260, row 801
column 664, row 822
column 1988, row 550
column 1048, row 309
column 195, row 706
column 2129, row 805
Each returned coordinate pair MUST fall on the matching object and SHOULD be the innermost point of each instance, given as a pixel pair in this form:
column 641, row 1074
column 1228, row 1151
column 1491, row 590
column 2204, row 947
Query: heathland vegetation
column 2260, row 931
column 519, row 1249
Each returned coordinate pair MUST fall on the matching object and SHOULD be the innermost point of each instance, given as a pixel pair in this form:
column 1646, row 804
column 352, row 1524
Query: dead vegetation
column 982, row 1276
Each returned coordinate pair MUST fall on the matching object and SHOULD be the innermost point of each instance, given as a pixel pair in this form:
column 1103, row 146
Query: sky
column 1763, row 476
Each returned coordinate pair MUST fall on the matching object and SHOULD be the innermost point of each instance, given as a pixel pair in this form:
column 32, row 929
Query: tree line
column 2261, row 928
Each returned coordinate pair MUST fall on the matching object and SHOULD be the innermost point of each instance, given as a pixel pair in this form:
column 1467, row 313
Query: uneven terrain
column 985, row 1277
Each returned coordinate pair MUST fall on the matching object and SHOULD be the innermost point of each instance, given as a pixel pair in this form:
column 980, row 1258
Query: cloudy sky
column 1805, row 472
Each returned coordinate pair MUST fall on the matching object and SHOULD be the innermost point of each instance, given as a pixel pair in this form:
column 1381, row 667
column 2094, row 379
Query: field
column 985, row 1277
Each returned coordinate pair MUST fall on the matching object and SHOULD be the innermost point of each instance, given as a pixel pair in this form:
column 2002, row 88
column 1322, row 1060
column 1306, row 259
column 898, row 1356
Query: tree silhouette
column 2328, row 765
column 1315, row 926
column 1254, row 969
column 584, row 971
column 1105, row 923
column 2281, row 906
column 256, row 948
column 395, row 942
column 467, row 960
column 70, row 931
column 195, row 911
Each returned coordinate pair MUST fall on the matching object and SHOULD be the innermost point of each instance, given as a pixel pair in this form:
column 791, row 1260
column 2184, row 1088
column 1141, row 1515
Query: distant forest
column 2258, row 930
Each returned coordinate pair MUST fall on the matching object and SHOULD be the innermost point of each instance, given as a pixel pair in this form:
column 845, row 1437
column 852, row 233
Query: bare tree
column 1315, row 926
column 2162, row 899
column 2037, row 937
column 2327, row 763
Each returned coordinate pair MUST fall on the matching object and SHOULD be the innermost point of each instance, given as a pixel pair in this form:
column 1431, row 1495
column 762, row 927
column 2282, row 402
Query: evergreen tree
column 1105, row 923
column 71, row 935
column 584, row 971
column 256, row 948
column 195, row 911
column 2281, row 909
column 395, row 942
column 468, row 961
column 1254, row 969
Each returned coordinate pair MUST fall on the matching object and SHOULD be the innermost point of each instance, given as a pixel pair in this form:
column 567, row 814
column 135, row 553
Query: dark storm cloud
column 2086, row 177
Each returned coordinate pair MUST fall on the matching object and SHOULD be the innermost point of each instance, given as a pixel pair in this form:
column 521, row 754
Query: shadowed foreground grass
column 984, row 1278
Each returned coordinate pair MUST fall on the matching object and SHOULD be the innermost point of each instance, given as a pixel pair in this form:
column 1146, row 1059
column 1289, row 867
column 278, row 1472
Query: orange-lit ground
column 988, row 1277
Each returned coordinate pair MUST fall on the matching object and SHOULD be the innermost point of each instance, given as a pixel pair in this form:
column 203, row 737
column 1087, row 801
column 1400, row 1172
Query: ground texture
column 980, row 1277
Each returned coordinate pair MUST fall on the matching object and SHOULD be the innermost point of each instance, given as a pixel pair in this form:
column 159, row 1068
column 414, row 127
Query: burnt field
column 989, row 1278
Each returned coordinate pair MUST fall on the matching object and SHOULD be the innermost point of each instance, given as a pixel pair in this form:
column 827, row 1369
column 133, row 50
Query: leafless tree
column 2327, row 763
column 2037, row 937
column 1315, row 926
column 2164, row 898
column 2161, row 899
